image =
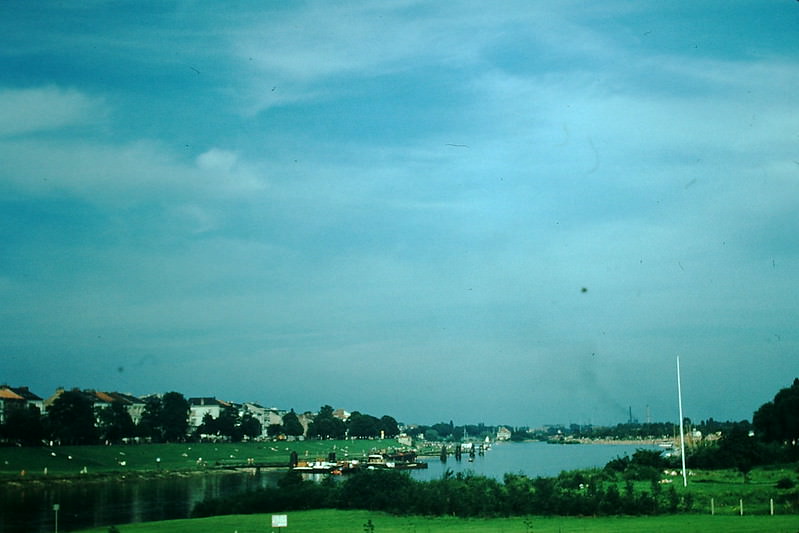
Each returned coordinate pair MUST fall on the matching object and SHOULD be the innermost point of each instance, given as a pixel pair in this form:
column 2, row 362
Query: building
column 503, row 433
column 31, row 399
column 9, row 400
column 267, row 416
column 199, row 407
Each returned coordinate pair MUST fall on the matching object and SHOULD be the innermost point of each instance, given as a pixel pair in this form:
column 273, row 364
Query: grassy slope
column 69, row 460
column 328, row 521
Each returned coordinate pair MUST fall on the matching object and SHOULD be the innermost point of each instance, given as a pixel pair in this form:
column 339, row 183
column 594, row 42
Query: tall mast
column 682, row 431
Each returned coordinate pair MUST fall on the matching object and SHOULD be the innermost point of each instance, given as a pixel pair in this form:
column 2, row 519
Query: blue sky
column 514, row 212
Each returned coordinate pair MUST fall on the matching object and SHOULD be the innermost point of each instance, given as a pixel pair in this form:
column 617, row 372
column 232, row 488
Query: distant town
column 87, row 416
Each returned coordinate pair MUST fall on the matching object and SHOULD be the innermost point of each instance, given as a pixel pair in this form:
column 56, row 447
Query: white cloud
column 136, row 172
column 226, row 171
column 25, row 111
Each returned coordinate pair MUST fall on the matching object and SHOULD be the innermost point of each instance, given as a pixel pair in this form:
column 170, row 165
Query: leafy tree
column 165, row 419
column 207, row 426
column 71, row 418
column 150, row 423
column 174, row 417
column 389, row 426
column 226, row 422
column 778, row 420
column 115, row 423
column 23, row 424
column 292, row 425
column 444, row 430
column 273, row 430
column 363, row 426
column 327, row 426
column 432, row 435
column 740, row 449
column 248, row 426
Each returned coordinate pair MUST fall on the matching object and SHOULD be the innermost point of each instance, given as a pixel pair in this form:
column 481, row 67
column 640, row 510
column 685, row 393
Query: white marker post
column 682, row 430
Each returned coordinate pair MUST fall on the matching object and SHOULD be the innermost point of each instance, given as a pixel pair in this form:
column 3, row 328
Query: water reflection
column 28, row 507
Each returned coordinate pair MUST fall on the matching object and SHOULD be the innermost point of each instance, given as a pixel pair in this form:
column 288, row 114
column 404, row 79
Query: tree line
column 588, row 493
column 72, row 419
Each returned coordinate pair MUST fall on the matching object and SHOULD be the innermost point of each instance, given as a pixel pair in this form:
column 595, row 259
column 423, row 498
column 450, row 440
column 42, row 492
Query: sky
column 516, row 212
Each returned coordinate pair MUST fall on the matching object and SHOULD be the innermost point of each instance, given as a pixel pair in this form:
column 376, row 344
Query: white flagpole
column 682, row 431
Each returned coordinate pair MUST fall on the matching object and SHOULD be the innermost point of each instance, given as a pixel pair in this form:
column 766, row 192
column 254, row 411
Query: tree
column 226, row 422
column 150, row 424
column 115, row 423
column 207, row 426
column 23, row 424
column 740, row 449
column 174, row 417
column 389, row 426
column 71, row 418
column 291, row 424
column 327, row 426
column 364, row 426
column 778, row 420
column 273, row 430
column 249, row 426
column 444, row 430
column 165, row 419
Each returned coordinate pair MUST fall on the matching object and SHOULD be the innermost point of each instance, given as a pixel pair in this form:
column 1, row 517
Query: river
column 28, row 507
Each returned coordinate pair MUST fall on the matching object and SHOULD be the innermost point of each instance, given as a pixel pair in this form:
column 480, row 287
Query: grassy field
column 726, row 488
column 71, row 460
column 329, row 521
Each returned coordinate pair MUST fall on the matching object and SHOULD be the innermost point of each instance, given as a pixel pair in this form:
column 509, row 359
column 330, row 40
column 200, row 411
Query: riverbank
column 45, row 463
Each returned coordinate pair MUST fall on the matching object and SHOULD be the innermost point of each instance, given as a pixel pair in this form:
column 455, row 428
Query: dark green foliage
column 291, row 424
column 23, row 425
column 248, row 426
column 786, row 483
column 174, row 417
column 778, row 420
column 376, row 490
column 389, row 426
column 165, row 419
column 583, row 493
column 115, row 423
column 645, row 465
column 363, row 426
column 327, row 426
column 150, row 424
column 71, row 418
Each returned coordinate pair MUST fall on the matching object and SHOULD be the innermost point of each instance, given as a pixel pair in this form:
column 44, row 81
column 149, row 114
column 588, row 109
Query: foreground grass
column 71, row 460
column 331, row 521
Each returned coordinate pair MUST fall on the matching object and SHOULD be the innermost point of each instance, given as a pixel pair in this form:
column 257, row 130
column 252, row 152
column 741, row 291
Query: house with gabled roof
column 199, row 407
column 134, row 405
column 31, row 399
column 9, row 400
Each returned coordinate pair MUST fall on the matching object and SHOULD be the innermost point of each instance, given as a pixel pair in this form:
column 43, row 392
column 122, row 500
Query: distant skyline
column 519, row 212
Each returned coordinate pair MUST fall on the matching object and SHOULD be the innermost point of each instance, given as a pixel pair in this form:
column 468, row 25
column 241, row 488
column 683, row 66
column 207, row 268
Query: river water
column 28, row 507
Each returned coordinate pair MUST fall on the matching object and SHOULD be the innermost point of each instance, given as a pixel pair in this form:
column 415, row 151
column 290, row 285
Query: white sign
column 280, row 520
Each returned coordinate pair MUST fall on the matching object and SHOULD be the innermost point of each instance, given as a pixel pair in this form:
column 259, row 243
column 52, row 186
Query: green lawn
column 70, row 460
column 329, row 521
column 726, row 488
